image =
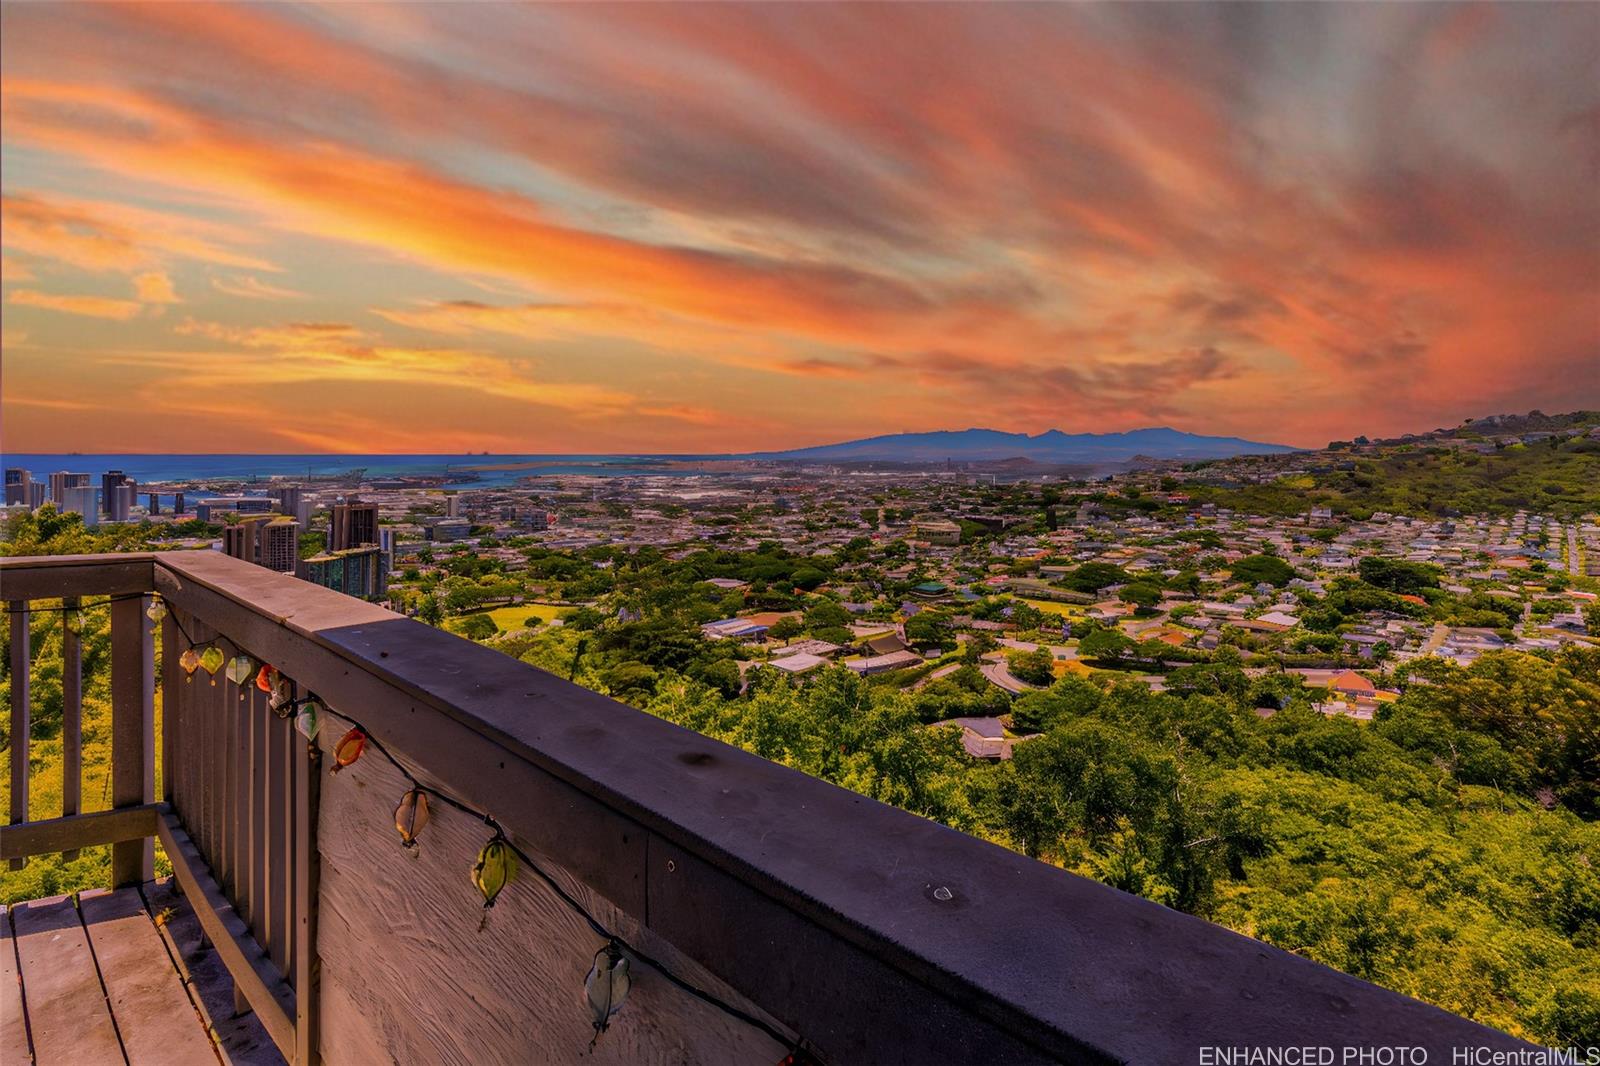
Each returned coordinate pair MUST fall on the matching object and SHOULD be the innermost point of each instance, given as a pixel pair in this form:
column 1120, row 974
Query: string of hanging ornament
column 499, row 860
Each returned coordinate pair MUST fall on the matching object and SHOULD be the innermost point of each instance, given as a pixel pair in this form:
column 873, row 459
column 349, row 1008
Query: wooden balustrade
column 876, row 935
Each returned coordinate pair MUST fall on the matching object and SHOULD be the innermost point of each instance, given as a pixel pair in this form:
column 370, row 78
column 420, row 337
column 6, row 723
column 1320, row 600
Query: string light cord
column 566, row 897
column 500, row 834
column 13, row 607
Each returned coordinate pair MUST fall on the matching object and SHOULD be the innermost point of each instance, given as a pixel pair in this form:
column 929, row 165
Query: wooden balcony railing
column 816, row 916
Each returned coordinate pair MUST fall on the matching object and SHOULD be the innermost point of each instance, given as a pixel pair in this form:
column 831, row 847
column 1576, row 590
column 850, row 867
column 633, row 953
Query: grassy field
column 509, row 619
column 1069, row 610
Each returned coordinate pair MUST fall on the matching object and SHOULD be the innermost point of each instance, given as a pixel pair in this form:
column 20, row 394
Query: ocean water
column 147, row 469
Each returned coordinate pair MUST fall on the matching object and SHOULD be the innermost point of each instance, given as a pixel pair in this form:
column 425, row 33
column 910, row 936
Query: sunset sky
column 680, row 228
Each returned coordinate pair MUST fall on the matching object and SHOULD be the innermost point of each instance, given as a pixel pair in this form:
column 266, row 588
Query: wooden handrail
column 819, row 906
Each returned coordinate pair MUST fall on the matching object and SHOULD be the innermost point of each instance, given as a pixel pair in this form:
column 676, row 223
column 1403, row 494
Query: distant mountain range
column 1051, row 446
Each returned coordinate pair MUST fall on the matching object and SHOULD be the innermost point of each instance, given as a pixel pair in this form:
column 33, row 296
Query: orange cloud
column 1035, row 216
column 90, row 306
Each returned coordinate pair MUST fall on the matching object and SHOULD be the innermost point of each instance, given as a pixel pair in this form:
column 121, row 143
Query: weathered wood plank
column 262, row 984
column 133, row 739
column 21, row 714
column 97, row 576
column 171, row 730
column 240, row 1039
column 74, row 831
column 255, row 828
column 155, row 1019
column 277, row 799
column 307, row 872
column 67, row 1012
column 14, row 1048
column 393, row 922
column 225, row 859
column 71, row 716
column 238, row 717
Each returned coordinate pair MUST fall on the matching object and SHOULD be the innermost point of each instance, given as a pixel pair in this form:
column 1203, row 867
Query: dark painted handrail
column 882, row 936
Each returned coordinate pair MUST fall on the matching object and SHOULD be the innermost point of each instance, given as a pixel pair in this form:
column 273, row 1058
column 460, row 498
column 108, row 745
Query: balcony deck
column 763, row 910
column 114, row 977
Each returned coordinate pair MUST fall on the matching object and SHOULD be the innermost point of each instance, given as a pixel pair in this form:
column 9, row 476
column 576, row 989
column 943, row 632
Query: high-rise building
column 288, row 497
column 155, row 504
column 111, row 496
column 177, row 503
column 452, row 505
column 120, row 500
column 17, row 482
column 35, row 494
column 61, row 481
column 81, row 498
column 352, row 525
column 272, row 541
column 386, row 540
column 353, row 571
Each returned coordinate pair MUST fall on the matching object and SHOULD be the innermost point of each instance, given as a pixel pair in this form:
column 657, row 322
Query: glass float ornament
column 309, row 720
column 606, row 986
column 155, row 612
column 267, row 678
column 411, row 816
column 495, row 867
column 349, row 749
column 240, row 668
column 212, row 659
column 190, row 661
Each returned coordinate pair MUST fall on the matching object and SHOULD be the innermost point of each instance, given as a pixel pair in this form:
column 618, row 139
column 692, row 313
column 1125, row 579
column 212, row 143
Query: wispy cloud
column 253, row 288
column 88, row 306
column 1331, row 218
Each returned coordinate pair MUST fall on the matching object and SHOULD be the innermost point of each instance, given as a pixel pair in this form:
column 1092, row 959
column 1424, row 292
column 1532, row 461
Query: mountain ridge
column 1050, row 446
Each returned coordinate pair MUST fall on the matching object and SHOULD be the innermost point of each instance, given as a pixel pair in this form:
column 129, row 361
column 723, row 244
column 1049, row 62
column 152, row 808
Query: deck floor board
column 116, row 978
column 68, row 1016
column 13, row 1023
column 155, row 1017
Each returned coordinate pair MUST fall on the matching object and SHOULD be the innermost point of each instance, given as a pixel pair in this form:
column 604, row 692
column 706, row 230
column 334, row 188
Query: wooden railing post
column 133, row 736
column 21, row 715
column 307, row 968
column 71, row 713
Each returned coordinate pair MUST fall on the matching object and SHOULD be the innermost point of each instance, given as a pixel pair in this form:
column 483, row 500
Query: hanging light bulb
column 267, row 678
column 190, row 661
column 212, row 659
column 309, row 720
column 282, row 699
column 495, row 867
column 606, row 986
column 155, row 612
column 411, row 816
column 349, row 749
column 240, row 667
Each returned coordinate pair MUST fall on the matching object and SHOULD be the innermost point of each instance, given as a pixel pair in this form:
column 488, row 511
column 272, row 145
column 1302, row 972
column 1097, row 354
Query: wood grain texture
column 240, row 1039
column 155, row 1019
column 133, row 735
column 67, row 1011
column 37, row 577
column 78, row 831
column 71, row 718
column 269, row 994
column 408, row 977
column 21, row 715
column 14, row 1047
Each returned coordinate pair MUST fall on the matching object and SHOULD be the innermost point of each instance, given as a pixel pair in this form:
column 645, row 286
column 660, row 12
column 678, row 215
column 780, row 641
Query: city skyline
column 552, row 229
